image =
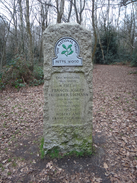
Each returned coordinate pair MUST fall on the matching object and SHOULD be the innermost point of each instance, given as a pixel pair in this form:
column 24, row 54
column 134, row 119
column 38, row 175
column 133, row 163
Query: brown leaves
column 114, row 116
column 105, row 166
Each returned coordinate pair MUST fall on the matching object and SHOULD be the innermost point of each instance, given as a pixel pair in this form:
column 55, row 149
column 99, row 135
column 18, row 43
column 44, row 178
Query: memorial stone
column 67, row 88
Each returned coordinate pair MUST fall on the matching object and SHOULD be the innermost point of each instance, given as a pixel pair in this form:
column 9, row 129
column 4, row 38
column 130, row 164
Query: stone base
column 68, row 138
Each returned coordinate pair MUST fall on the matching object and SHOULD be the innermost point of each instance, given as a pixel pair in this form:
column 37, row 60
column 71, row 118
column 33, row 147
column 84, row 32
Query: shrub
column 17, row 73
column 134, row 60
column 108, row 41
column 38, row 72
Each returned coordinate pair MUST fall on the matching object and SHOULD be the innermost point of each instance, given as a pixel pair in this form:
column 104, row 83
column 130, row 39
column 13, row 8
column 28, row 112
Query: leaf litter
column 114, row 133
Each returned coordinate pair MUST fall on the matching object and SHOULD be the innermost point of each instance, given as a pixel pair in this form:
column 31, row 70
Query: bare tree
column 94, row 29
column 108, row 10
column 127, row 31
column 131, row 30
column 15, row 20
column 117, row 21
column 70, row 10
column 79, row 8
column 4, row 32
column 44, row 22
column 30, row 50
column 60, row 9
column 21, row 26
column 126, row 2
column 11, row 7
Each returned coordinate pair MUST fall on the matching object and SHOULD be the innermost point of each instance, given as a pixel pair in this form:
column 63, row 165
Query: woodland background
column 113, row 25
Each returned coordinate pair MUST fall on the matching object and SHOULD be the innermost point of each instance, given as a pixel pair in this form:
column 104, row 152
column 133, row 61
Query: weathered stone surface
column 67, row 93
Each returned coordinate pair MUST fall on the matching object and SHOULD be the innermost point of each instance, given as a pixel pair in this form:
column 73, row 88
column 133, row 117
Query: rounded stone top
column 67, row 43
column 59, row 26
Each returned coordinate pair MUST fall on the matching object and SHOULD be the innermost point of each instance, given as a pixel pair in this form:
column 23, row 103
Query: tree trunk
column 21, row 27
column 3, row 55
column 70, row 10
column 100, row 45
column 79, row 11
column 60, row 10
column 94, row 29
column 44, row 15
column 14, row 15
column 108, row 12
column 132, row 30
column 30, row 36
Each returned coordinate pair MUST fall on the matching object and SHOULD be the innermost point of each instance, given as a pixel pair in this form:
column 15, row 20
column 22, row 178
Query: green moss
column 1, row 166
column 56, row 153
column 85, row 147
column 14, row 164
column 79, row 154
column 9, row 173
column 70, row 139
column 42, row 152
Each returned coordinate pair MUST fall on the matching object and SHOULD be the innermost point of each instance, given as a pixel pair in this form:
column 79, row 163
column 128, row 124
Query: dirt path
column 114, row 134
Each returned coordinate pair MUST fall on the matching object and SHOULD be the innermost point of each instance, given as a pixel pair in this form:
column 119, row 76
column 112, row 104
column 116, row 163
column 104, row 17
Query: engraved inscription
column 68, row 96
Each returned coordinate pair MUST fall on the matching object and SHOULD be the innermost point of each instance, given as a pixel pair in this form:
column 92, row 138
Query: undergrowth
column 17, row 74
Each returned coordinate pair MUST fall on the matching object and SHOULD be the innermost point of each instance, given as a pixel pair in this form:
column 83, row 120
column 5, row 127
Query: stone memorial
column 67, row 88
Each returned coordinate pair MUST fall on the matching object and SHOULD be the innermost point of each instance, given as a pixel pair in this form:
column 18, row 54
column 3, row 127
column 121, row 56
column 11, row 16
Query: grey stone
column 67, row 92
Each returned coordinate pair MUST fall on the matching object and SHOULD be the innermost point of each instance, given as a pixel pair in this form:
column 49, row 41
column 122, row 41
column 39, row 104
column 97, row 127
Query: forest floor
column 114, row 134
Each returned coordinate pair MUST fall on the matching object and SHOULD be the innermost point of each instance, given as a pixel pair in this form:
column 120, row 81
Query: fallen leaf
column 105, row 166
